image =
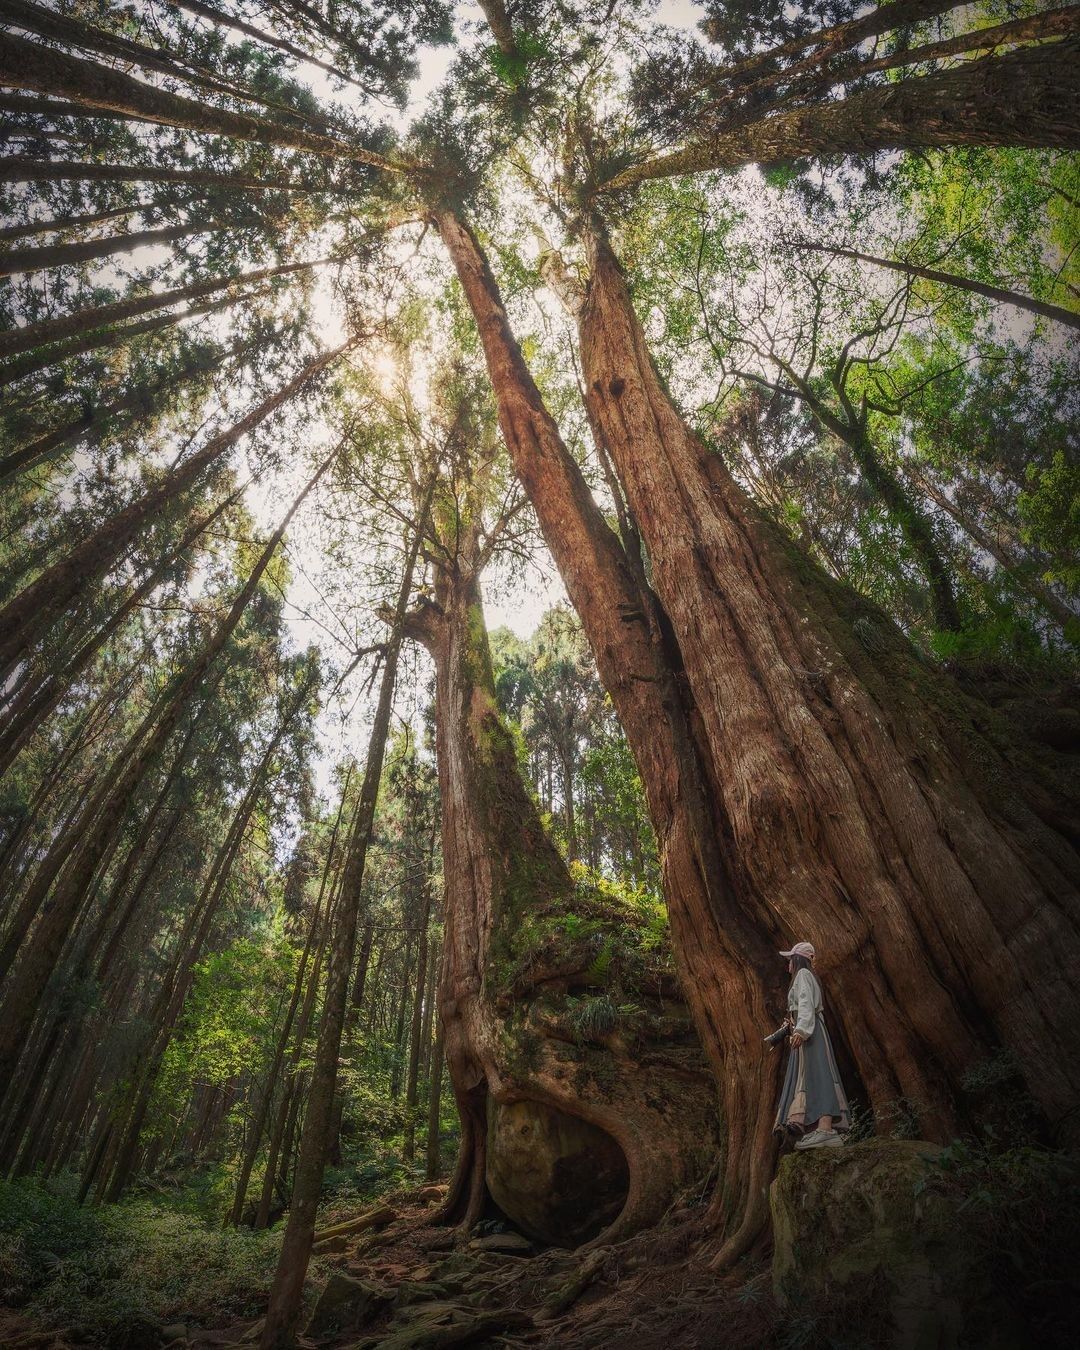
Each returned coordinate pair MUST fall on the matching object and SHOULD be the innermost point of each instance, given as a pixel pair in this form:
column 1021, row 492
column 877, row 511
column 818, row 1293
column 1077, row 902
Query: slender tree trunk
column 499, row 22
column 105, row 339
column 142, row 402
column 434, row 1153
column 53, row 330
column 170, row 1000
column 1025, row 97
column 25, row 169
column 273, row 1154
column 47, row 70
column 103, row 816
column 356, row 998
column 412, row 1077
column 999, row 294
column 38, row 701
column 69, row 223
column 37, row 606
column 71, row 31
column 267, row 39
column 285, row 1035
column 286, row 1295
column 15, row 260
column 841, row 37
column 914, row 524
column 1026, row 578
column 432, row 967
column 398, row 1021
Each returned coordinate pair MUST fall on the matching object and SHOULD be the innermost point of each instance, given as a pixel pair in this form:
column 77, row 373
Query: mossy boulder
column 862, row 1236
column 346, row 1304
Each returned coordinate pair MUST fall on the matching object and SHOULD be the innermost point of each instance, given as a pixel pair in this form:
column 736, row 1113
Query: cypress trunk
column 868, row 804
column 614, row 1121
column 729, row 974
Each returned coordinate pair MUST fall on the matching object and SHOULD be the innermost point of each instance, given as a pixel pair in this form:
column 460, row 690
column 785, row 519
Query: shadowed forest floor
column 449, row 1289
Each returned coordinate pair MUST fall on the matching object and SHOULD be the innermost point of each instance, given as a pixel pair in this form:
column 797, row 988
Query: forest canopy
column 512, row 513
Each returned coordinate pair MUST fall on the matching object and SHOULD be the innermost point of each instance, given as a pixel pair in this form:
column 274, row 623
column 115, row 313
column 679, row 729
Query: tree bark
column 868, row 804
column 1025, row 97
column 728, row 970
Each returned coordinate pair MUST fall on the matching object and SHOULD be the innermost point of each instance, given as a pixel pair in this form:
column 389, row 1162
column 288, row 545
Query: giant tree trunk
column 868, row 805
column 575, row 1133
column 729, row 971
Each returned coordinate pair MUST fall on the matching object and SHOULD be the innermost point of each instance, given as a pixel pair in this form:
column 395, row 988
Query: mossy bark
column 521, row 946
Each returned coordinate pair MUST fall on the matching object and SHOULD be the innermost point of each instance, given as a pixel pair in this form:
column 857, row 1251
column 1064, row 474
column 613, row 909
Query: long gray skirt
column 812, row 1087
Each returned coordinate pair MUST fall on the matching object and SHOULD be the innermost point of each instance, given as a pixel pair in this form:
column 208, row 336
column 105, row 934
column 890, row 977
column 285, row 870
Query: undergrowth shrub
column 112, row 1275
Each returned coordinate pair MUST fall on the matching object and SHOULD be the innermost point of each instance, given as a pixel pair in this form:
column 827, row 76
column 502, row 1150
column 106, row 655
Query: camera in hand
column 780, row 1035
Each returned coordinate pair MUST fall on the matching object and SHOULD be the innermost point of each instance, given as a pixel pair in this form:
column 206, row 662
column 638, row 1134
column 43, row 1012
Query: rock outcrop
column 863, row 1231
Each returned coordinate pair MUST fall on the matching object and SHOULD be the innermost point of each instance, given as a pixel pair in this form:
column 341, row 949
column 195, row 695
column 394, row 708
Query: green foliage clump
column 592, row 1017
column 112, row 1276
column 1050, row 514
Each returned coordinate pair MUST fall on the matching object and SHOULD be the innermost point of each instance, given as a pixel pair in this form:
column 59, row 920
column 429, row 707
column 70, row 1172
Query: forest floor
column 388, row 1276
column 413, row 1285
column 409, row 1284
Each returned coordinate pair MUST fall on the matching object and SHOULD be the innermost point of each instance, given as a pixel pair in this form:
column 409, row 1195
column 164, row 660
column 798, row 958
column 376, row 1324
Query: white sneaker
column 820, row 1139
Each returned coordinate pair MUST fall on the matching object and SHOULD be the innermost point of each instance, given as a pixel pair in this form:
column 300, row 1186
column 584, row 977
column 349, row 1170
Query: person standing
column 813, row 1104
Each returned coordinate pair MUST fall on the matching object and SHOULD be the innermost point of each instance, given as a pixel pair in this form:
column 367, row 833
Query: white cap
column 801, row 949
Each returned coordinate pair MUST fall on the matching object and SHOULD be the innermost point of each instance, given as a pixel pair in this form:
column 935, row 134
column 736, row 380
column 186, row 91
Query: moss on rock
column 868, row 1217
